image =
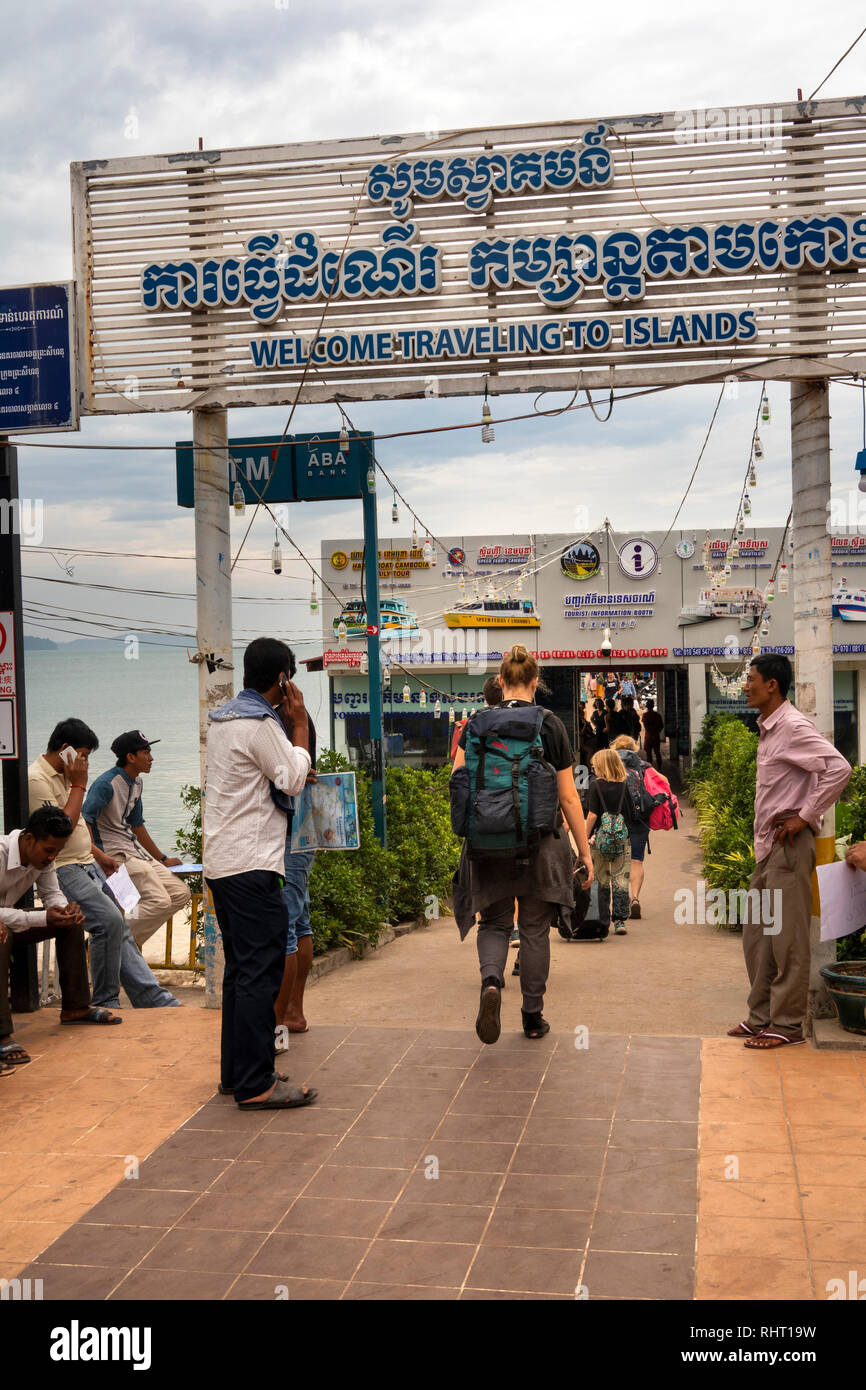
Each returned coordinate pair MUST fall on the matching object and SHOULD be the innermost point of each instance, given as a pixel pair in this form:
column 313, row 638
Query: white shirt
column 243, row 828
column 16, row 878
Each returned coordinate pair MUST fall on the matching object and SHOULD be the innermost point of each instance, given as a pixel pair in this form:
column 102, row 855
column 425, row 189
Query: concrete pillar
column 213, row 622
column 813, row 623
column 697, row 700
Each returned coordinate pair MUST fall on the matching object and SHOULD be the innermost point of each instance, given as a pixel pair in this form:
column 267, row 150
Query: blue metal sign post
column 37, row 378
column 313, row 468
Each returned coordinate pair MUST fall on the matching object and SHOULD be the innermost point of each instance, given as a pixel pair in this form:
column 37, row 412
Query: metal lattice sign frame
column 643, row 250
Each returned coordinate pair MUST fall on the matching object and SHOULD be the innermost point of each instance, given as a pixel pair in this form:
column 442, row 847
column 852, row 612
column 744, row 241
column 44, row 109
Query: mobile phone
column 283, row 684
column 68, row 755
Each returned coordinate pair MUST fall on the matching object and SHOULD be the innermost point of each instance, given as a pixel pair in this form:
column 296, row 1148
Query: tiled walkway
column 431, row 1167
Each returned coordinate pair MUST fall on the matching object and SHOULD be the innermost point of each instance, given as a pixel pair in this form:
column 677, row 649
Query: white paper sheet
column 123, row 888
column 843, row 899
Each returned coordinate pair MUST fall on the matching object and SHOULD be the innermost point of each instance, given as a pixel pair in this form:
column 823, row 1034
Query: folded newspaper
column 326, row 814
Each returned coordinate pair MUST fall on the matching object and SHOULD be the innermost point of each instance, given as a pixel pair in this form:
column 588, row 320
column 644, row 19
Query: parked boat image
column 494, row 612
column 849, row 604
column 394, row 617
column 744, row 604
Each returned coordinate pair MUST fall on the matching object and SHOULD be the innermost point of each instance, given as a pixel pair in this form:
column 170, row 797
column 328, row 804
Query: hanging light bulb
column 314, row 599
column 752, row 479
column 365, row 664
column 758, row 449
column 770, row 593
column 428, row 548
column 747, row 507
column 765, row 628
column 386, row 675
column 371, row 478
column 740, row 526
column 414, row 534
column 277, row 557
column 765, row 407
column 437, row 710
column 395, row 515
column 783, row 579
column 734, row 549
column 465, row 715
column 344, row 439
column 450, row 714
column 726, row 571
column 422, row 698
column 238, row 502
column 341, row 630
column 406, row 693
column 487, row 430
column 489, row 592
column 756, row 645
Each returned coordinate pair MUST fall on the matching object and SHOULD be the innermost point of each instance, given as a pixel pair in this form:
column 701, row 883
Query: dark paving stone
column 646, row 1166
column 432, row 1077
column 365, row 1184
column 378, row 1036
column 527, row 1190
column 294, row 1255
column 215, row 1252
column 311, row 1119
column 263, row 1288
column 64, row 1283
column 497, row 1296
column 532, row 1271
column 484, row 1129
column 469, row 1157
column 634, row 1105
column 295, row 1150
column 226, row 1116
column 654, row 1134
column 172, row 1285
column 133, row 1205
column 227, row 1211
column 334, row 1216
column 623, row 1192
column 403, row 1262
column 364, row 1151
column 554, row 1230
column 249, row 1179
column 429, row 1221
column 172, row 1171
column 101, row 1245
column 493, row 1103
column 560, row 1159
column 597, row 1105
column 639, row 1276
column 644, row 1233
column 397, row 1293
column 334, row 1094
column 482, row 1079
column 442, row 1056
column 462, row 1189
column 206, row 1143
column 580, row 1131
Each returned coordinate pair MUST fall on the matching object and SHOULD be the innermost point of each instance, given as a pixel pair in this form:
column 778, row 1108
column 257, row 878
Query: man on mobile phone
column 257, row 760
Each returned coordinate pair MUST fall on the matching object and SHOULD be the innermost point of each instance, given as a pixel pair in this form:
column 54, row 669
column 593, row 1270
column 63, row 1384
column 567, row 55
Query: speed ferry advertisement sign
column 636, row 250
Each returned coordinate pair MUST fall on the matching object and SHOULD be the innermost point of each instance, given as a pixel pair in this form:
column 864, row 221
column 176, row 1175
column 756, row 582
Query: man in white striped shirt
column 257, row 759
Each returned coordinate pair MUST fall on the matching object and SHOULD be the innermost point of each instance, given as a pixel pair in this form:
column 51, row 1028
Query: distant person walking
column 638, row 831
column 653, row 728
column 609, row 820
column 599, row 723
column 800, row 775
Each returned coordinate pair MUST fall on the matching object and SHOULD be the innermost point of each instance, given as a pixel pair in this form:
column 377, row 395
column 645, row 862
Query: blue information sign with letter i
column 37, row 377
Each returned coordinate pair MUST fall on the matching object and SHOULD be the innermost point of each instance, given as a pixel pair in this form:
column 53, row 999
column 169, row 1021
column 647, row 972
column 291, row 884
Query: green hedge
column 352, row 892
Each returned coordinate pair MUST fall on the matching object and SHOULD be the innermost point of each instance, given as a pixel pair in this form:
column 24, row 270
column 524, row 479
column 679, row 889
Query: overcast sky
column 248, row 72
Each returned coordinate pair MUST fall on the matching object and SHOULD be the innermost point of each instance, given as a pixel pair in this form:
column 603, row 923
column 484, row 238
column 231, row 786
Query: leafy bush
column 353, row 892
column 851, row 826
column 722, row 790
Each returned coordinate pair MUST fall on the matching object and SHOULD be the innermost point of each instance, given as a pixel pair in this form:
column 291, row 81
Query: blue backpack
column 505, row 799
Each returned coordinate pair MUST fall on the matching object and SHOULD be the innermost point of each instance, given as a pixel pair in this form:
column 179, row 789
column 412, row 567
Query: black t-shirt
column 604, row 796
column 554, row 737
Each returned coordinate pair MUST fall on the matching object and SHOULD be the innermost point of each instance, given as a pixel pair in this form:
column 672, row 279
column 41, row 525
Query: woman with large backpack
column 639, row 831
column 609, row 818
column 511, row 786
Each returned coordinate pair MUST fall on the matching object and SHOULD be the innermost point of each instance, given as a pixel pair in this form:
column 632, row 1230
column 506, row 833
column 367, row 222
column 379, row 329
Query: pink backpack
column 664, row 816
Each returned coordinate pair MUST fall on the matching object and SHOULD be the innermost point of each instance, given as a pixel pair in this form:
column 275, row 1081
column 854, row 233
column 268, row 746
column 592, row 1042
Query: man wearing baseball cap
column 112, row 809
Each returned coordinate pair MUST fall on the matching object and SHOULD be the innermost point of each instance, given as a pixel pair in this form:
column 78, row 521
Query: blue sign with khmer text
column 37, row 389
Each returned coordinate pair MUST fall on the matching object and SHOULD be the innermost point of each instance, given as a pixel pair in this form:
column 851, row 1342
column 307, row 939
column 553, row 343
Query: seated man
column 26, row 858
column 112, row 809
column 59, row 778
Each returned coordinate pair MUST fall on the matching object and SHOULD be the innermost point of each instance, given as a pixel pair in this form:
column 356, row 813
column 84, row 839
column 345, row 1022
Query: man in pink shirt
column 800, row 775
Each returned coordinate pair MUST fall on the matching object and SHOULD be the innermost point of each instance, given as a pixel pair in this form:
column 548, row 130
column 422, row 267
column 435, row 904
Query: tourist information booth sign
column 637, row 250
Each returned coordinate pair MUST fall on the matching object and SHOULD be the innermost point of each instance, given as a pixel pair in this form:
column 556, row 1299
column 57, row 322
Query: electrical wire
column 836, row 65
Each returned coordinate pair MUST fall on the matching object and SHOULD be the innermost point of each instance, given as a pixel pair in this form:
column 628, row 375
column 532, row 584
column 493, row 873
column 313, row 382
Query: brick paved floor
column 555, row 1167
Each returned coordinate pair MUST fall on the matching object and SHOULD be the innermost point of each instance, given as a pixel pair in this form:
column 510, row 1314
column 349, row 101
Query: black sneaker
column 487, row 1023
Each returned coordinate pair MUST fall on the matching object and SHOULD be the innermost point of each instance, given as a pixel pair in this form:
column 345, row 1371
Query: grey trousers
column 778, row 959
column 534, row 920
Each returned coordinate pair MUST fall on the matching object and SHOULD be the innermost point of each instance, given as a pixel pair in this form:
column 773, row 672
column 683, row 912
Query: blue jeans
column 296, row 894
column 115, row 959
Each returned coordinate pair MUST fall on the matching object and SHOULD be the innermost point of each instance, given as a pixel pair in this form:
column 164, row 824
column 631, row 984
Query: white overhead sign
column 645, row 249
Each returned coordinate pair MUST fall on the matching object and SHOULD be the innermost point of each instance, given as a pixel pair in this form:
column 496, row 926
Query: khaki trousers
column 162, row 894
column 778, row 952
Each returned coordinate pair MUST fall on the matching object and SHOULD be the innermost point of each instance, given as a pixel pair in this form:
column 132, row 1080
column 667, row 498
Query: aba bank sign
column 278, row 274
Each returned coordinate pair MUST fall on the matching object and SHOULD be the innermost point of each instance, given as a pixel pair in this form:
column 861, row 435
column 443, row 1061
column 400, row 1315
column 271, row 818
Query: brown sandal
column 743, row 1030
column 765, row 1042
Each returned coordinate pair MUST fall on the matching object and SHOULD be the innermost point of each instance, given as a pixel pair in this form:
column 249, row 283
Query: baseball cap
column 131, row 742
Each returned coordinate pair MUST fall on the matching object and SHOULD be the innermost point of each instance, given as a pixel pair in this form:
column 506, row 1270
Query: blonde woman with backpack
column 609, row 819
column 485, row 783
